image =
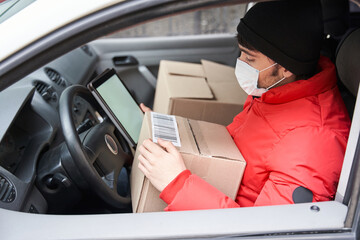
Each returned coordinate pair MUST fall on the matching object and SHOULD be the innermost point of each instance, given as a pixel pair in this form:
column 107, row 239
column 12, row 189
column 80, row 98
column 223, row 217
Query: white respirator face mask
column 248, row 77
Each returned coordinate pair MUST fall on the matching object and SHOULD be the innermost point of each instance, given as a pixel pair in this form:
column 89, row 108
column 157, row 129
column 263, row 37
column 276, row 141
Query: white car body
column 45, row 24
column 19, row 36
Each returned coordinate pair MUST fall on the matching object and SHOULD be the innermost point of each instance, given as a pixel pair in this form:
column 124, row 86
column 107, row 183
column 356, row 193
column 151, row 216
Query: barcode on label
column 165, row 127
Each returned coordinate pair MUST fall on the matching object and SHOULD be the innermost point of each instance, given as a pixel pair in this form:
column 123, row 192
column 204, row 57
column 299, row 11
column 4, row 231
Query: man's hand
column 144, row 108
column 160, row 163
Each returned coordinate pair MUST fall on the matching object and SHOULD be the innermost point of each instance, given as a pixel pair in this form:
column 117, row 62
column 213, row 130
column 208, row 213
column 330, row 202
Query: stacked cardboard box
column 208, row 91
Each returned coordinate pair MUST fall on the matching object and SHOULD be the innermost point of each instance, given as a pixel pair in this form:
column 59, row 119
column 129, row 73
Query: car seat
column 348, row 69
column 336, row 23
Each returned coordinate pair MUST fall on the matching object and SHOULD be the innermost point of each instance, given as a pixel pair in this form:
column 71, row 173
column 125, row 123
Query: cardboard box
column 208, row 151
column 208, row 91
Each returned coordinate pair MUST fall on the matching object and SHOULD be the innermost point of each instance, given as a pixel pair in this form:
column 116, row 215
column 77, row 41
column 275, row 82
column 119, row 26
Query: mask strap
column 275, row 83
column 268, row 67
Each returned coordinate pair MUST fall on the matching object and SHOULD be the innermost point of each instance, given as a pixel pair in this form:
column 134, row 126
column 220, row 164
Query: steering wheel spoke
column 109, row 179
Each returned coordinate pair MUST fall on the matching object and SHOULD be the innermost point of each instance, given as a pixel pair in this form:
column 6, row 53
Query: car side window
column 354, row 6
column 221, row 20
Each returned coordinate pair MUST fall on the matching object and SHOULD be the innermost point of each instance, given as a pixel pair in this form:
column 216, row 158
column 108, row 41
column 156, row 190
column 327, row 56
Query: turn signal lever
column 55, row 181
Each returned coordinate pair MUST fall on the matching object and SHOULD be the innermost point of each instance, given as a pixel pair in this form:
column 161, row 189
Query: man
column 294, row 126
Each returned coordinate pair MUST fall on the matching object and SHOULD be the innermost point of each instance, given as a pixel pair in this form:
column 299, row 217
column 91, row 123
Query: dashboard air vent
column 7, row 190
column 41, row 87
column 46, row 91
column 55, row 77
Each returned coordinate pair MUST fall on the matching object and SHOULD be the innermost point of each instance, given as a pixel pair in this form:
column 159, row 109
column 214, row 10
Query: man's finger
column 169, row 147
column 144, row 161
column 143, row 169
column 145, row 152
column 152, row 147
column 144, row 108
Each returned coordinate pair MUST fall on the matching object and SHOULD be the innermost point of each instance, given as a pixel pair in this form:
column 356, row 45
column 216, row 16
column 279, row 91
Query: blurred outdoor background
column 207, row 21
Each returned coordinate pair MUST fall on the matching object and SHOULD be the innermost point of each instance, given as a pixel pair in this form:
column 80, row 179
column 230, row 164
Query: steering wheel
column 98, row 154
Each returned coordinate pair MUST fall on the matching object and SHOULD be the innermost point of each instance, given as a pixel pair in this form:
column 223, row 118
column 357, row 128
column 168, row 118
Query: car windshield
column 10, row 7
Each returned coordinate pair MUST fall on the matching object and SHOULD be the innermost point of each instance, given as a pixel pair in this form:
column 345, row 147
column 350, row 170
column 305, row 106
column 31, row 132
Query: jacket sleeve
column 307, row 158
column 189, row 192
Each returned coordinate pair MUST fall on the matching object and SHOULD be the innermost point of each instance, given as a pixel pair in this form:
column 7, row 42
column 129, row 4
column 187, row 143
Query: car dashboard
column 30, row 125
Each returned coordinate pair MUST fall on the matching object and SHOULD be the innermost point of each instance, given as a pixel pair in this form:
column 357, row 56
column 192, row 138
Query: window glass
column 354, row 6
column 206, row 21
column 10, row 7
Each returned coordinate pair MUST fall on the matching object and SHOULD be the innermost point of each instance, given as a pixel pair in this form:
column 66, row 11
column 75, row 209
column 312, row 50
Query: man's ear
column 286, row 73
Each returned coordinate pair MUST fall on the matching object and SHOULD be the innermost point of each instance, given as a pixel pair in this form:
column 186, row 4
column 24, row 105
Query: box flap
column 215, row 72
column 222, row 82
column 183, row 69
column 200, row 109
column 188, row 144
column 213, row 140
column 188, row 87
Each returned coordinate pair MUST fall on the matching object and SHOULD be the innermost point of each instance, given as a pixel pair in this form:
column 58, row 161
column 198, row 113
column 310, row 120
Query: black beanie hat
column 289, row 32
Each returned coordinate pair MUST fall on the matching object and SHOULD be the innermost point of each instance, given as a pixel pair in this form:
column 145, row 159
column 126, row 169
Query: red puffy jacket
column 292, row 137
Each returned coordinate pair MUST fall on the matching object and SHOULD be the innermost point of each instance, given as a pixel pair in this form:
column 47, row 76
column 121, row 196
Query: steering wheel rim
column 84, row 159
